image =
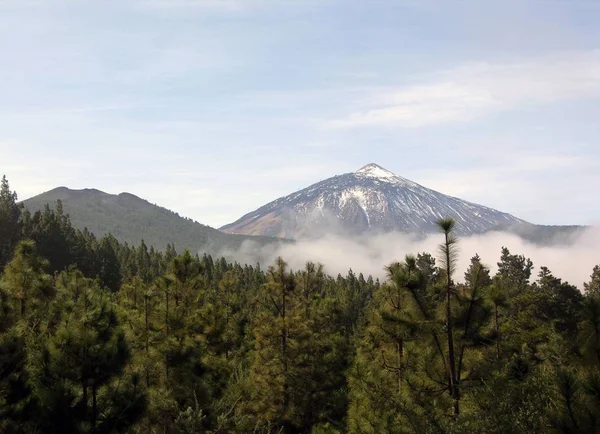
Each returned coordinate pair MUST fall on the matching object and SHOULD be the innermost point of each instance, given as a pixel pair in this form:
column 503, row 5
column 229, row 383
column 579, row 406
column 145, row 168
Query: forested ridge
column 99, row 336
column 132, row 219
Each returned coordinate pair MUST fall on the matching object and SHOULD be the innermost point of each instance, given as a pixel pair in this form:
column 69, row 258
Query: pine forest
column 100, row 336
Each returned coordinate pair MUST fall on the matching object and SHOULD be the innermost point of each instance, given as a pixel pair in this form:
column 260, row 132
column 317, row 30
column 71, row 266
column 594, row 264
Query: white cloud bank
column 369, row 255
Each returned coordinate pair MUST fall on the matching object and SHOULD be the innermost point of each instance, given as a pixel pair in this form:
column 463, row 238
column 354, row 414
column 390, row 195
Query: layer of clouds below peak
column 573, row 262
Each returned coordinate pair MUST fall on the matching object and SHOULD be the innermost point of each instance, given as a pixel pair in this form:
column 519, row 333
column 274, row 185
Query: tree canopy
column 97, row 335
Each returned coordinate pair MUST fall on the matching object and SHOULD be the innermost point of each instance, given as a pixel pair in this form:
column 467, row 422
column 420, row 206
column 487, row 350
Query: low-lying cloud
column 572, row 260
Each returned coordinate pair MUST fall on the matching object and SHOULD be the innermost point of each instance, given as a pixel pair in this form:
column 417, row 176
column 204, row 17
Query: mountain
column 372, row 198
column 131, row 219
column 546, row 235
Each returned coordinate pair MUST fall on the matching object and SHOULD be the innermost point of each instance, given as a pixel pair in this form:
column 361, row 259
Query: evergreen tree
column 10, row 226
column 381, row 381
column 54, row 237
column 280, row 339
column 593, row 286
column 75, row 369
column 143, row 263
column 589, row 336
column 109, row 265
column 325, row 354
column 25, row 283
column 426, row 265
column 476, row 269
column 25, row 290
column 497, row 294
column 562, row 303
column 515, row 270
column 448, row 255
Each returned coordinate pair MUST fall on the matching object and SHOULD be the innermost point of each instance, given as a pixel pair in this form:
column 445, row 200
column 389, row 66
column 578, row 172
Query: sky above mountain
column 213, row 108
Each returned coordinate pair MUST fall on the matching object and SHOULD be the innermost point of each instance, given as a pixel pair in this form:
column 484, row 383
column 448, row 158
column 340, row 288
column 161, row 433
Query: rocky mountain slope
column 372, row 198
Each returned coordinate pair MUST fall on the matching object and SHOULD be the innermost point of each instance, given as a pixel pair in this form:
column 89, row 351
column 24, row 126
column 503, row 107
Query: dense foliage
column 100, row 336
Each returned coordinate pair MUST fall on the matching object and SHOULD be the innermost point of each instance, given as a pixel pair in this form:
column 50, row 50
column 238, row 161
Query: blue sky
column 214, row 107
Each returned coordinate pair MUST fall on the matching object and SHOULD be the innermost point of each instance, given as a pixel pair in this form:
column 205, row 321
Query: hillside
column 546, row 234
column 131, row 219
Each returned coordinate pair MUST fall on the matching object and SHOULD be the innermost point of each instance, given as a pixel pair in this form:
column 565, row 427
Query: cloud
column 228, row 6
column 225, row 6
column 502, row 172
column 572, row 261
column 478, row 89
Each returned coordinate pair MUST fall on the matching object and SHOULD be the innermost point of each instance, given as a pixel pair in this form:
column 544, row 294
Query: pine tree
column 593, row 286
column 324, row 355
column 110, row 267
column 589, row 336
column 185, row 337
column 382, row 376
column 476, row 269
column 25, row 283
column 74, row 368
column 54, row 236
column 427, row 268
column 402, row 366
column 10, row 226
column 143, row 263
column 448, row 255
column 523, row 319
column 25, row 290
column 472, row 317
column 497, row 294
column 561, row 302
column 515, row 270
column 280, row 338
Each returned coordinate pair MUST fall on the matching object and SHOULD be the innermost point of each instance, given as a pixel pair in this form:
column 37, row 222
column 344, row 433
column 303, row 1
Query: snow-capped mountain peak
column 373, row 170
column 376, row 172
column 372, row 198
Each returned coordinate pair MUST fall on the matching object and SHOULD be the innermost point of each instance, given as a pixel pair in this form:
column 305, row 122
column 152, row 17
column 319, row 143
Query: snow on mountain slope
column 372, row 198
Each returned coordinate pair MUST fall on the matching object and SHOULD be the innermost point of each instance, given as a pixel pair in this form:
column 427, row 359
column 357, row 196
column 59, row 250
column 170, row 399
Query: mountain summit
column 375, row 171
column 370, row 199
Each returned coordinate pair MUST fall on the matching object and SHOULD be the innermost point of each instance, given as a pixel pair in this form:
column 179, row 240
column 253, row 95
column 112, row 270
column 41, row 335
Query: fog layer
column 369, row 255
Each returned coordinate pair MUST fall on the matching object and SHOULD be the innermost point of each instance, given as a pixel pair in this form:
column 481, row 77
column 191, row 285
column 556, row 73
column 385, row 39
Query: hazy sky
column 215, row 107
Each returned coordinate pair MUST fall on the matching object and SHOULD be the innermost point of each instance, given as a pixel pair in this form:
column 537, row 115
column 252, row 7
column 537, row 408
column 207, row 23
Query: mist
column 572, row 259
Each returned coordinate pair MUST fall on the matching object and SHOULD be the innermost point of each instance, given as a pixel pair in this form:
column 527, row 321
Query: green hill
column 131, row 219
